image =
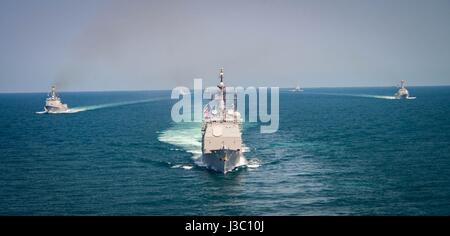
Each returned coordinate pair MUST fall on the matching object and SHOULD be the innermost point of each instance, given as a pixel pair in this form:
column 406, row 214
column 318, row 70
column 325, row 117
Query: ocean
column 338, row 151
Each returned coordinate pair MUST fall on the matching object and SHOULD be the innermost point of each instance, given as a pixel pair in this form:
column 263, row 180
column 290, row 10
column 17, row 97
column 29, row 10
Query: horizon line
column 161, row 90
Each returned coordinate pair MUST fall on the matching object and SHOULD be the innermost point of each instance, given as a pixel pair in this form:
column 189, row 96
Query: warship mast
column 221, row 86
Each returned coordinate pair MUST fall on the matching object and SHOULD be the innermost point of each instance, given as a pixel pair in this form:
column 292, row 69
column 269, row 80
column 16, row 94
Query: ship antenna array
column 222, row 95
column 53, row 92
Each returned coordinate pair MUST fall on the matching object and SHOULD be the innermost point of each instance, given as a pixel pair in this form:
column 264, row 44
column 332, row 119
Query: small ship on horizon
column 53, row 103
column 402, row 92
column 297, row 89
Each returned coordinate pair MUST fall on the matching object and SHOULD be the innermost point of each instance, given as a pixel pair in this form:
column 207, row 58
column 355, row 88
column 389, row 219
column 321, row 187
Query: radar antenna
column 53, row 92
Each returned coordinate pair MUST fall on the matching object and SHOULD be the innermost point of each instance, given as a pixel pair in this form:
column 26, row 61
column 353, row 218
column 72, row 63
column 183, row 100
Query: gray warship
column 402, row 93
column 297, row 89
column 53, row 103
column 221, row 133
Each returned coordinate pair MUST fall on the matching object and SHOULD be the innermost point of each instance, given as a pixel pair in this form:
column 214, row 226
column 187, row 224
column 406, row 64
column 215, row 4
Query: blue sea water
column 340, row 151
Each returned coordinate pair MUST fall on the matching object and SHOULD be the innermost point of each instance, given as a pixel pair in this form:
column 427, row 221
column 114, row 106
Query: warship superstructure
column 402, row 93
column 53, row 103
column 221, row 133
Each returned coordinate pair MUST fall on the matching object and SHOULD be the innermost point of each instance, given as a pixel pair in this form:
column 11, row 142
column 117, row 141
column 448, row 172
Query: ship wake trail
column 102, row 106
column 359, row 95
column 187, row 137
column 383, row 97
column 108, row 105
column 375, row 96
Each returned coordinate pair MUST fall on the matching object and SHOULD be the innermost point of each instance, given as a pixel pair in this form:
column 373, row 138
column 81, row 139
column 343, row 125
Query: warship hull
column 54, row 109
column 401, row 96
column 221, row 134
column 402, row 93
column 53, row 103
column 223, row 160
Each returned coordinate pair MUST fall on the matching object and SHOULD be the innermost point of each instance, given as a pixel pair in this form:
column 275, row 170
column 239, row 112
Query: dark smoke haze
column 146, row 45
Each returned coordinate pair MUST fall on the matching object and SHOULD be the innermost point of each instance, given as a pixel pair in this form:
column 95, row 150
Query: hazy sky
column 145, row 45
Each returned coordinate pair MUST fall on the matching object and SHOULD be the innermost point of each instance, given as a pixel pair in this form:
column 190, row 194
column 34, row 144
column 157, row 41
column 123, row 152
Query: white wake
column 364, row 96
column 101, row 106
column 187, row 136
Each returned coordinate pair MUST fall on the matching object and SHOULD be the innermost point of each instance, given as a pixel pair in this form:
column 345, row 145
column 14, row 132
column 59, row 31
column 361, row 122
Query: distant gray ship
column 53, row 103
column 297, row 89
column 221, row 134
column 402, row 93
